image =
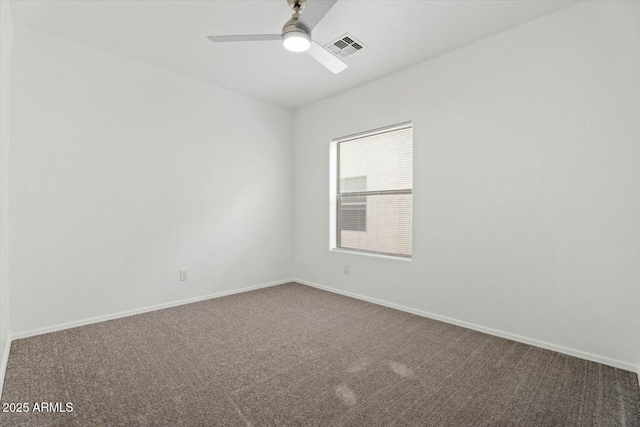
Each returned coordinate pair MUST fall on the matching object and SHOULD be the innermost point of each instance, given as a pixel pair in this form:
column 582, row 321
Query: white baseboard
column 97, row 319
column 560, row 349
column 3, row 363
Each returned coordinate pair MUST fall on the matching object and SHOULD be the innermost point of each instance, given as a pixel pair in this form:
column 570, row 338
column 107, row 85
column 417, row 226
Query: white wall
column 6, row 35
column 122, row 174
column 526, row 183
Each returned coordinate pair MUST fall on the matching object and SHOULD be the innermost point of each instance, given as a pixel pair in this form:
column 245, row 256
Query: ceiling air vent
column 344, row 46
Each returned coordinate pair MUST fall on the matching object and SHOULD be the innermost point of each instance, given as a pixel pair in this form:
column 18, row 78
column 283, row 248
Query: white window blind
column 374, row 191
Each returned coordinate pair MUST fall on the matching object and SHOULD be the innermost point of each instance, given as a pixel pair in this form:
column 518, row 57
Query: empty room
column 320, row 213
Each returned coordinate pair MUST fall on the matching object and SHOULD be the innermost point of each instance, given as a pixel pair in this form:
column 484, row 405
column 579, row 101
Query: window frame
column 335, row 194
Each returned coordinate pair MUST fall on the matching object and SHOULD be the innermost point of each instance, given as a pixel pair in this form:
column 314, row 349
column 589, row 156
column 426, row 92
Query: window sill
column 369, row 254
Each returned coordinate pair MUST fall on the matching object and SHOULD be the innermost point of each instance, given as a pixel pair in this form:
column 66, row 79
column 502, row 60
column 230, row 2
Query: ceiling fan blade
column 313, row 12
column 326, row 58
column 245, row 38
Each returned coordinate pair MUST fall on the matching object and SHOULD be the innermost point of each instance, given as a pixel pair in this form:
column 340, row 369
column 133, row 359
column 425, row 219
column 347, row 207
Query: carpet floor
column 295, row 355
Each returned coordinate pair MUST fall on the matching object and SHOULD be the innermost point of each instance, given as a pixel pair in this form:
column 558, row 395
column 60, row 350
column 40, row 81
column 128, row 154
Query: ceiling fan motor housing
column 292, row 27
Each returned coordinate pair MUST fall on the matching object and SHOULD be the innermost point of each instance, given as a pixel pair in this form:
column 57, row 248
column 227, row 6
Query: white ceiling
column 172, row 35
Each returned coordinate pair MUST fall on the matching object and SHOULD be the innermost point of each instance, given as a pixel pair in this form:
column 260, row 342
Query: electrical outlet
column 184, row 275
column 345, row 268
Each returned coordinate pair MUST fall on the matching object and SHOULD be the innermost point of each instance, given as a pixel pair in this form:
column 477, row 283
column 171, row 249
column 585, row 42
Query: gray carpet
column 295, row 355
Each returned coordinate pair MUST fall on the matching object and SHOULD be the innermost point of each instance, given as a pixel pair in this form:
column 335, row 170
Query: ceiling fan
column 296, row 33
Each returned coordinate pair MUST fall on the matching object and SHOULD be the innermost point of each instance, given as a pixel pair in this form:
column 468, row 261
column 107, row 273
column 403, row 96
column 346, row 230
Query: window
column 374, row 191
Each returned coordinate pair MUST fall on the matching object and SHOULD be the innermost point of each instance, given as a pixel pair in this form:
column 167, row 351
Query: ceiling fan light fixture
column 296, row 41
